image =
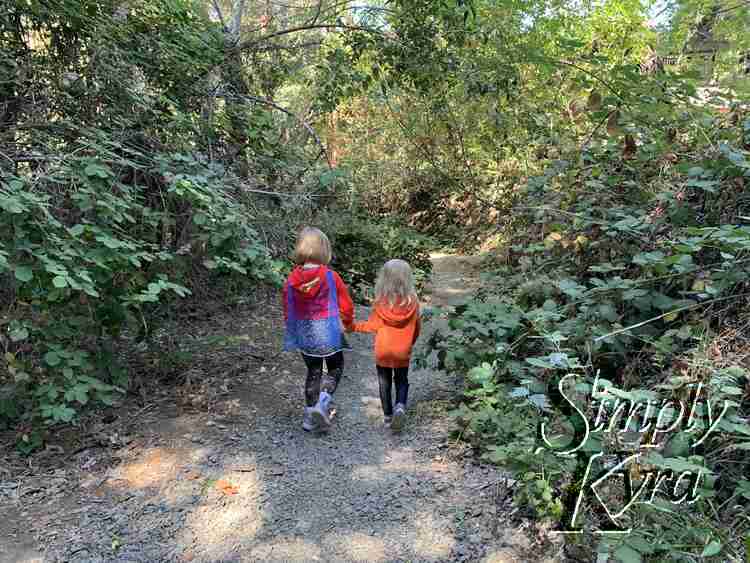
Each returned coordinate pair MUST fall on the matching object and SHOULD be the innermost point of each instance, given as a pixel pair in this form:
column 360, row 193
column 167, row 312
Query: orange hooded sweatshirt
column 396, row 330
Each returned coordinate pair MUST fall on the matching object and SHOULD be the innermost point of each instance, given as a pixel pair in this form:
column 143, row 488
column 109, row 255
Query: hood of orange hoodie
column 307, row 282
column 397, row 316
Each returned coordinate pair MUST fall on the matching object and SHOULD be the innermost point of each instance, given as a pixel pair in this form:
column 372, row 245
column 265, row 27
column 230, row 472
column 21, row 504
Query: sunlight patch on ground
column 230, row 513
column 432, row 540
column 373, row 410
column 217, row 530
column 501, row 556
column 358, row 547
column 397, row 462
column 454, row 291
column 152, row 468
column 287, row 550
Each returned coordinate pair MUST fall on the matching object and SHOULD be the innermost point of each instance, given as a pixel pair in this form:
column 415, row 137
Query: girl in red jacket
column 395, row 322
column 316, row 308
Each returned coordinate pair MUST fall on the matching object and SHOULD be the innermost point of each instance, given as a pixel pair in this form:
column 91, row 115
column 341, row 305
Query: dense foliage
column 625, row 258
column 362, row 247
column 598, row 152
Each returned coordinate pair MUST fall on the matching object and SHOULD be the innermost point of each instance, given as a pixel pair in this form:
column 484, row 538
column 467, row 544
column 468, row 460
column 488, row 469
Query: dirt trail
column 240, row 481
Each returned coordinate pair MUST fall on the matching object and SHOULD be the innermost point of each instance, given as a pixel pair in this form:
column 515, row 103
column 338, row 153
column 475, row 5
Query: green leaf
column 539, row 362
column 712, row 548
column 20, row 333
column 81, row 393
column 62, row 414
column 52, row 358
column 59, row 282
column 571, row 288
column 634, row 293
column 110, row 242
column 648, row 258
column 627, row 554
column 96, row 170
column 24, row 273
column 21, row 377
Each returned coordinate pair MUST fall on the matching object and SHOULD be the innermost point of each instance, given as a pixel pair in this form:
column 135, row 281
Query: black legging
column 316, row 381
column 385, row 377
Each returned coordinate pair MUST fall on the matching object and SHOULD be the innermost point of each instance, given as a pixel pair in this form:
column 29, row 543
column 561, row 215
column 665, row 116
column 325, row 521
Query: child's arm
column 346, row 306
column 283, row 300
column 370, row 325
column 418, row 327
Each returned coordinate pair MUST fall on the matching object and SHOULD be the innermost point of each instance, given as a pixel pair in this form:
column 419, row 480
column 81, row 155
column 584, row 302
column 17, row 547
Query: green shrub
column 86, row 255
column 361, row 246
column 634, row 285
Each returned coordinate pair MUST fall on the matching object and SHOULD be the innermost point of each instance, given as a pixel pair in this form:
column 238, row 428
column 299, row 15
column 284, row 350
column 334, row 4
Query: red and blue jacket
column 316, row 304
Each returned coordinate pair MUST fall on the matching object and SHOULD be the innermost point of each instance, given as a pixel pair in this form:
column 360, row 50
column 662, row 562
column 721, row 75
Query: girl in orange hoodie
column 395, row 322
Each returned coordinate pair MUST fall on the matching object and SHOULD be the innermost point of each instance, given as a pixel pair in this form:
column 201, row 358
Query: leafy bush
column 87, row 254
column 361, row 246
column 626, row 279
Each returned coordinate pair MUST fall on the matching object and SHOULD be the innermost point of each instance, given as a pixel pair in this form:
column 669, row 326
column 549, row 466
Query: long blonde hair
column 312, row 246
column 395, row 284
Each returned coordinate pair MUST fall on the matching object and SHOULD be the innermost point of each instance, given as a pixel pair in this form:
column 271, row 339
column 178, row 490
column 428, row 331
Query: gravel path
column 240, row 481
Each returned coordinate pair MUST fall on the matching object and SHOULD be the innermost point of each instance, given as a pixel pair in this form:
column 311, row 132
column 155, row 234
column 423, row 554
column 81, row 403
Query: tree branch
column 238, row 8
column 217, row 9
column 250, row 44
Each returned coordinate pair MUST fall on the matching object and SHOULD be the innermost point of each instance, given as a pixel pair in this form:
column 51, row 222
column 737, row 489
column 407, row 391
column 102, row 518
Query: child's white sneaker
column 387, row 420
column 320, row 412
column 399, row 416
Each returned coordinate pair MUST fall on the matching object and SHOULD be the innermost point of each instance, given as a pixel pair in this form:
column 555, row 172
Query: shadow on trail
column 243, row 482
column 259, row 488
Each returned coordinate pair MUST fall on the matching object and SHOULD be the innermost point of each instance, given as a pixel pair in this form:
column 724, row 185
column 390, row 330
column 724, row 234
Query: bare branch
column 250, row 44
column 314, row 20
column 217, row 9
column 238, row 8
column 279, row 194
column 288, row 47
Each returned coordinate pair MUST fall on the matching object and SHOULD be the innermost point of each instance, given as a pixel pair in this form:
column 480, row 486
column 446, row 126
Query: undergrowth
column 633, row 274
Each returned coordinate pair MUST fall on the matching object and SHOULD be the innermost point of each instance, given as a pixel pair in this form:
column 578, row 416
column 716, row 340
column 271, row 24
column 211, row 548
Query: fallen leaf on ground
column 226, row 487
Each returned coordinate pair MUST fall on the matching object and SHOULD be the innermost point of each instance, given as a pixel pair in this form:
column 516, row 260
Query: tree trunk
column 238, row 88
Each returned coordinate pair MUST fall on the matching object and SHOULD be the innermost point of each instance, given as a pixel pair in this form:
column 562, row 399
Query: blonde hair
column 395, row 284
column 312, row 246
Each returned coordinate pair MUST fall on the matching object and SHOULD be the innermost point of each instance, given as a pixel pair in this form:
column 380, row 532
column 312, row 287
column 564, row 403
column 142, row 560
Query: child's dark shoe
column 399, row 417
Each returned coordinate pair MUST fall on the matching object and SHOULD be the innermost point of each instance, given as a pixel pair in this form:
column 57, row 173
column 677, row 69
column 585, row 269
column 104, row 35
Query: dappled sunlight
column 286, row 550
column 153, row 468
column 431, row 540
column 357, row 546
column 455, row 290
column 451, row 282
column 501, row 556
column 217, row 526
column 372, row 409
column 216, row 530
